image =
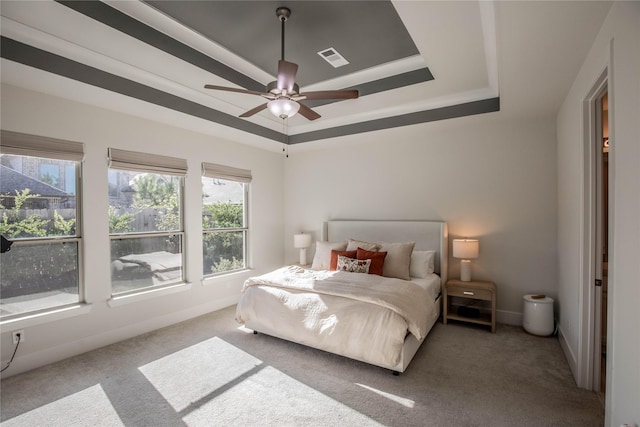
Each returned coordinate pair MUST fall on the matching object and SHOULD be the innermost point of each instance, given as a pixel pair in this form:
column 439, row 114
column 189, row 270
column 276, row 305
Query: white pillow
column 322, row 257
column 355, row 244
column 422, row 263
column 353, row 265
column 398, row 259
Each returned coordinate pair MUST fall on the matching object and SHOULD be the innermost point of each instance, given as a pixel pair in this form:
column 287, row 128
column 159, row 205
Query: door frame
column 589, row 297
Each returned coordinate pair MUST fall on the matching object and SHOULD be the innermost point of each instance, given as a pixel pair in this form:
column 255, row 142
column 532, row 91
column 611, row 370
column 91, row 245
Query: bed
column 380, row 320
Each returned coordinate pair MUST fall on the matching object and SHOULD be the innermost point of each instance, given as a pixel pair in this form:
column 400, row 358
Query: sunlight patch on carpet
column 193, row 374
column 270, row 397
column 72, row 411
column 401, row 400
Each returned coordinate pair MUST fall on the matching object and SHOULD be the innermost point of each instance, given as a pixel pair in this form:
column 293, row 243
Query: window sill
column 209, row 280
column 34, row 319
column 143, row 295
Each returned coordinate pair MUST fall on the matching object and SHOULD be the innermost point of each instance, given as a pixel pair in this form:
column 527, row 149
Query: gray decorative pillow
column 353, row 245
column 398, row 259
column 353, row 265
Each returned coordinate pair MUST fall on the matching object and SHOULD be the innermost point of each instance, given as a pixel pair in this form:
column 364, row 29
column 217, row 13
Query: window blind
column 23, row 144
column 145, row 162
column 211, row 170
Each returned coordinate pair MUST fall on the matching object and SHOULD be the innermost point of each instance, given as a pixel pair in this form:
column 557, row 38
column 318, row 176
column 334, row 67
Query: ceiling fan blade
column 286, row 75
column 233, row 89
column 331, row 94
column 307, row 112
column 254, row 110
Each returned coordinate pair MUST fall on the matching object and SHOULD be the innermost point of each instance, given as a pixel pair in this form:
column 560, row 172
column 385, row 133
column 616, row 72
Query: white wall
column 622, row 26
column 35, row 113
column 486, row 176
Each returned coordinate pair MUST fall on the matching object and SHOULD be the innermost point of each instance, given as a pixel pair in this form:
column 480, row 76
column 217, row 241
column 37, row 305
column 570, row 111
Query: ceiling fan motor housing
column 283, row 13
column 273, row 88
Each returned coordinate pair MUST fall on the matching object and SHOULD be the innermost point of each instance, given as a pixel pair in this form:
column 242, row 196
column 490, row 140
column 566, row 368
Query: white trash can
column 537, row 318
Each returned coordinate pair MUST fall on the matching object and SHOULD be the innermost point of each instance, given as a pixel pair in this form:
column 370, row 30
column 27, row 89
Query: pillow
column 377, row 260
column 355, row 244
column 322, row 257
column 398, row 259
column 353, row 265
column 334, row 257
column 422, row 263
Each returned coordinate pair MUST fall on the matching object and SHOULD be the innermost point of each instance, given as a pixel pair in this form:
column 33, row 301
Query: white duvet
column 362, row 316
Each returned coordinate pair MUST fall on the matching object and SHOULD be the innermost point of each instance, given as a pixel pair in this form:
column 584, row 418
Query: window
column 39, row 216
column 224, row 218
column 145, row 221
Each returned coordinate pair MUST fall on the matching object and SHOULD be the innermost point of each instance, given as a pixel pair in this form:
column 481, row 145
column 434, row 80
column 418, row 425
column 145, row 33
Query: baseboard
column 568, row 353
column 69, row 349
column 509, row 317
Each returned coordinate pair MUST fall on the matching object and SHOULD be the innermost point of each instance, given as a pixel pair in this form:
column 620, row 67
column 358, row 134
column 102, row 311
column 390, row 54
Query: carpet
column 209, row 372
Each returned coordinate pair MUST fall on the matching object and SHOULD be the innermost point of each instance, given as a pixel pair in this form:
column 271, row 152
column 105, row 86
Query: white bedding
column 362, row 316
column 431, row 284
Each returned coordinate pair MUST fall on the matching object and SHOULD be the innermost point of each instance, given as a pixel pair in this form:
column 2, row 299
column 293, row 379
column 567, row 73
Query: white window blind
column 23, row 144
column 145, row 162
column 211, row 170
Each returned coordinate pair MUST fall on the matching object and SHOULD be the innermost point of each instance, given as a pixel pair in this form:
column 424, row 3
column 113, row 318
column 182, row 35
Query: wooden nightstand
column 485, row 291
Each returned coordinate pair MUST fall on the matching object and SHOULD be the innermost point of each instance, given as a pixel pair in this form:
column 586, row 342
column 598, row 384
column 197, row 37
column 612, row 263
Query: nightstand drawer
column 455, row 291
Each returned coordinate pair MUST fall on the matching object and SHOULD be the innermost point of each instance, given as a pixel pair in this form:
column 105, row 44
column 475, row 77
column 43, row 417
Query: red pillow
column 377, row 260
column 333, row 265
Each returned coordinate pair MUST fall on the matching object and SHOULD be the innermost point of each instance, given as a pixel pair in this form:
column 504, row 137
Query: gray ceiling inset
column 366, row 33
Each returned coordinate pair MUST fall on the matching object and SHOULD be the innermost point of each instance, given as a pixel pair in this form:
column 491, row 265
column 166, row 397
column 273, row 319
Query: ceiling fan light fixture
column 283, row 108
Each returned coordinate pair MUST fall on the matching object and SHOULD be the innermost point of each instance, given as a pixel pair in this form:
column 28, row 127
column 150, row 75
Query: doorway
column 599, row 145
column 601, row 249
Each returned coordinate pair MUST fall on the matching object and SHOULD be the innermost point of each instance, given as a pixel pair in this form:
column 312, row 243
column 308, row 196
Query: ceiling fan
column 284, row 94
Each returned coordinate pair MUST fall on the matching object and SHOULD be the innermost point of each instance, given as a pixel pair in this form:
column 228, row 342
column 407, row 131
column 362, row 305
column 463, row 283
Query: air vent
column 333, row 57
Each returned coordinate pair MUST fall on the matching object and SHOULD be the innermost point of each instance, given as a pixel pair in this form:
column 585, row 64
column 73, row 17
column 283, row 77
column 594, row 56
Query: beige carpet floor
column 208, row 372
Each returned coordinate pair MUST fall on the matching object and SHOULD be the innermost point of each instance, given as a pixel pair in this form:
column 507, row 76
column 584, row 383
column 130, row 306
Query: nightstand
column 475, row 290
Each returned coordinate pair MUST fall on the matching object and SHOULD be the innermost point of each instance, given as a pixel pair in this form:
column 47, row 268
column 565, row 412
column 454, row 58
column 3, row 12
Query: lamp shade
column 465, row 248
column 283, row 107
column 301, row 240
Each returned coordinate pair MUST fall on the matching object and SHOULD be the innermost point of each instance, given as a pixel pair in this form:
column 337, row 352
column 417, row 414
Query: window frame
column 129, row 161
column 244, row 177
column 34, row 146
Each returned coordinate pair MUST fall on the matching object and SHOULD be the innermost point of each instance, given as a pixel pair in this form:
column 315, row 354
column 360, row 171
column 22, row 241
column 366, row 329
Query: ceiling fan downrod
column 283, row 13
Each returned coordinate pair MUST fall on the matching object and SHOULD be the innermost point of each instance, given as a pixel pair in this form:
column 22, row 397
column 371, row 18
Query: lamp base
column 303, row 256
column 465, row 270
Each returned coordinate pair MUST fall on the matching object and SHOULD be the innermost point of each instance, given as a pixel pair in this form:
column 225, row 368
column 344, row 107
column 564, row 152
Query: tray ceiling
column 411, row 61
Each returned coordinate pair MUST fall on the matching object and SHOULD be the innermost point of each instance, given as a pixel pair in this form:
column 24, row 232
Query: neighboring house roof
column 215, row 190
column 11, row 180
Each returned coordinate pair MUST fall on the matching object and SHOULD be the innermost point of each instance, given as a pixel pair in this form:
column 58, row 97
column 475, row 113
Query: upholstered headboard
column 428, row 235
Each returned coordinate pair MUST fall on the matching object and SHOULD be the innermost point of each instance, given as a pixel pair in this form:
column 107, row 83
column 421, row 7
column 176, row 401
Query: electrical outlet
column 18, row 334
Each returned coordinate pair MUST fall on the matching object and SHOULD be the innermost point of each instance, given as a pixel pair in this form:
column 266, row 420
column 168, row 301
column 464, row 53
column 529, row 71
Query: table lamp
column 465, row 250
column 302, row 241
